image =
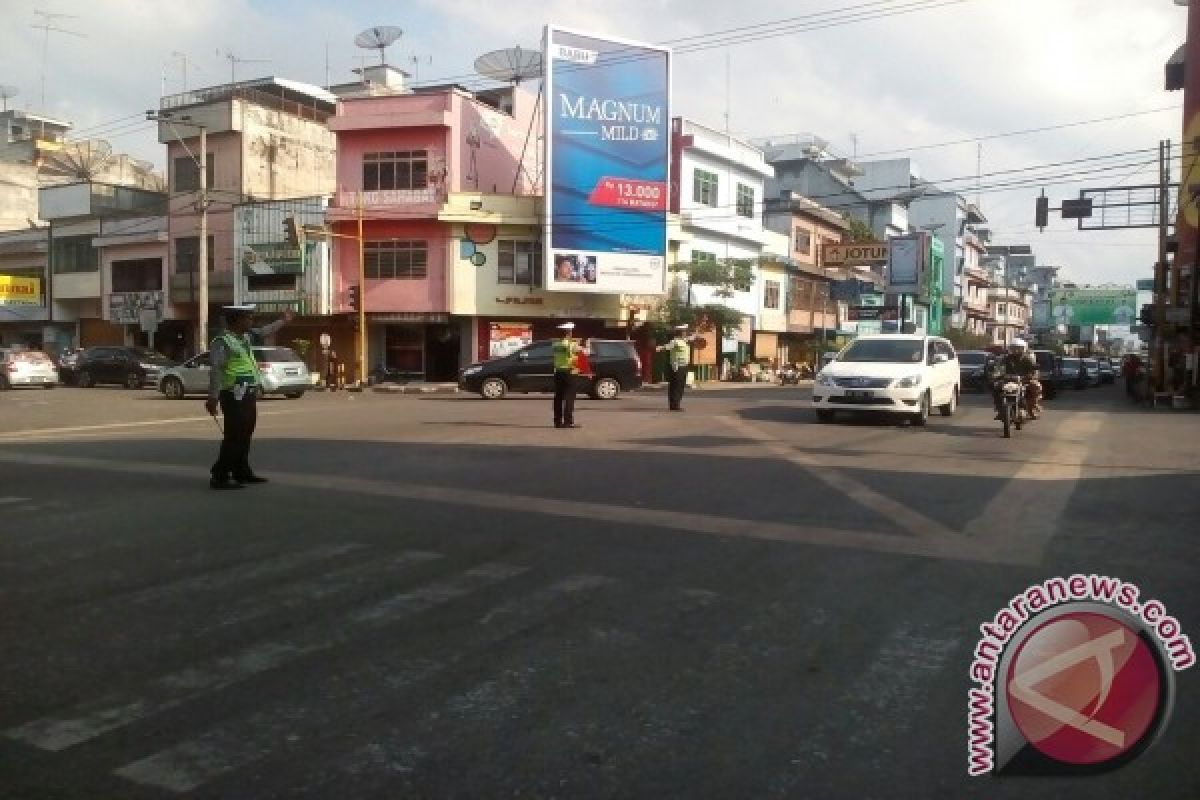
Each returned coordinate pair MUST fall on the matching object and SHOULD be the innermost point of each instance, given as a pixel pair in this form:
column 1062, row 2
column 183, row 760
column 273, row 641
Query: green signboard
column 937, row 262
column 1094, row 306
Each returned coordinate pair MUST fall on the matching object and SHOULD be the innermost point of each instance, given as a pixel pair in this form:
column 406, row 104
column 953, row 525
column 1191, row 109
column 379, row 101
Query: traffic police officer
column 234, row 384
column 566, row 371
column 680, row 351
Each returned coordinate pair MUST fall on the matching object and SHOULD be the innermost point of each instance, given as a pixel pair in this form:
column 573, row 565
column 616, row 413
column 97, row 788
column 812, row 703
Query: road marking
column 113, row 426
column 1021, row 519
column 89, row 720
column 911, row 520
column 4, row 501
column 958, row 548
column 225, row 748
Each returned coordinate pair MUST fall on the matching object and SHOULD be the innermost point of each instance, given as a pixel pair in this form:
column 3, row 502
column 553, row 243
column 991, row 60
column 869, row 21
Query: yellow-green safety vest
column 564, row 350
column 680, row 352
column 240, row 366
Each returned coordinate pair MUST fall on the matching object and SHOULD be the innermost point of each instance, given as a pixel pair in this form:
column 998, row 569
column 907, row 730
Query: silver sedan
column 280, row 370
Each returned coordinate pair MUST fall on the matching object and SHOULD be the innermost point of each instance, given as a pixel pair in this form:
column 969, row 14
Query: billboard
column 860, row 253
column 908, row 264
column 1094, row 306
column 607, row 153
column 16, row 291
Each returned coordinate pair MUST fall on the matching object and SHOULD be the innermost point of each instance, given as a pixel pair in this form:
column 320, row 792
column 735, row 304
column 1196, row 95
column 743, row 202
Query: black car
column 1049, row 372
column 1108, row 372
column 615, row 363
column 972, row 369
column 131, row 367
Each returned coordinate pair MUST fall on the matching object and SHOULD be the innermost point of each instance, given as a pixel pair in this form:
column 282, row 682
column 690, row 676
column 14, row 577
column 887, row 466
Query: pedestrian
column 566, row 372
column 331, row 371
column 234, row 385
column 679, row 350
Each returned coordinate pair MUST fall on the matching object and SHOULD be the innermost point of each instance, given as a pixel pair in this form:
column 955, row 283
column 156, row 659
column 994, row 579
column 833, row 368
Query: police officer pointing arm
column 680, row 351
column 234, row 385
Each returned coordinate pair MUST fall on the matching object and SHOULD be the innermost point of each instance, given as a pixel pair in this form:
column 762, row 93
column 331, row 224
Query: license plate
column 859, row 395
column 291, row 372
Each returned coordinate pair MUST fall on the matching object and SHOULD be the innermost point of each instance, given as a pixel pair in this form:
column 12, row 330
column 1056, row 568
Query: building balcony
column 977, row 308
column 977, row 275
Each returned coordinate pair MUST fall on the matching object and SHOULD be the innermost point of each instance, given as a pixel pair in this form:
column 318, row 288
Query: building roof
column 282, row 88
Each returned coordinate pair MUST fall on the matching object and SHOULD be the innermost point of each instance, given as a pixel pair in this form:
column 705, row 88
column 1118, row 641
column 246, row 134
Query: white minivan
column 902, row 373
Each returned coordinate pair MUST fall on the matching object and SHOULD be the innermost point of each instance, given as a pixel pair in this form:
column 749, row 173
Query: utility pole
column 202, row 256
column 362, row 298
column 1158, row 378
column 45, row 26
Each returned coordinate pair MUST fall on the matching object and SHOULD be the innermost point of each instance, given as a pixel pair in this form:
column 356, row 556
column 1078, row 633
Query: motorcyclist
column 1017, row 361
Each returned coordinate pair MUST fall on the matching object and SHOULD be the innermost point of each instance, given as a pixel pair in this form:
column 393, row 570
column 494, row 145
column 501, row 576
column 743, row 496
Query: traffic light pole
column 362, row 297
column 202, row 299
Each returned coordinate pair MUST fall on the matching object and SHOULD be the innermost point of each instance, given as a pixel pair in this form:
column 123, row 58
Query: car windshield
column 1071, row 362
column 972, row 359
column 29, row 356
column 885, row 351
column 275, row 354
column 145, row 354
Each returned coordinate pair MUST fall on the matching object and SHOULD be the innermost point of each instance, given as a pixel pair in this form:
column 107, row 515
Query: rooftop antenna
column 7, row 93
column 416, row 62
column 184, row 58
column 234, row 61
column 511, row 65
column 45, row 26
column 380, row 38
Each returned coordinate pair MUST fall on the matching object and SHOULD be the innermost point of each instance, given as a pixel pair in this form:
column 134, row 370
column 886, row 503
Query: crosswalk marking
column 89, row 720
column 223, row 749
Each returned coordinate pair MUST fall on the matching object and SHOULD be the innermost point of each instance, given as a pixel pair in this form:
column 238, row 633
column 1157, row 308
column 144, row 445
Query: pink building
column 401, row 155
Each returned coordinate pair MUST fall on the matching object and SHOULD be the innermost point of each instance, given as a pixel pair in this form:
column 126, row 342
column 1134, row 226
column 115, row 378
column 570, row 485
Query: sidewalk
column 416, row 387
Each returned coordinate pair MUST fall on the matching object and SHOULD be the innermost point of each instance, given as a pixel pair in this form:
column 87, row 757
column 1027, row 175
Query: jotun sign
column 859, row 254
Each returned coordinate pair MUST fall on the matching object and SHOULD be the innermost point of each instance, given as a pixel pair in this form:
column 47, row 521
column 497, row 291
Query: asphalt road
column 445, row 597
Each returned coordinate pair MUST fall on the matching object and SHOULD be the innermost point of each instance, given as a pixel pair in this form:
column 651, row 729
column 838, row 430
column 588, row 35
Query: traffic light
column 1146, row 315
column 1041, row 216
column 353, row 293
column 292, row 231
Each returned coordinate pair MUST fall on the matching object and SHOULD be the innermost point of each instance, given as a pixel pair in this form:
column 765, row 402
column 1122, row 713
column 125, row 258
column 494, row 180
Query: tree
column 963, row 340
column 859, row 230
column 727, row 275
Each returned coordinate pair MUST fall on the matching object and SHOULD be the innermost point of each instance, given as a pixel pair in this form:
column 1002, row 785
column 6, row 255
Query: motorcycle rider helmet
column 1018, row 344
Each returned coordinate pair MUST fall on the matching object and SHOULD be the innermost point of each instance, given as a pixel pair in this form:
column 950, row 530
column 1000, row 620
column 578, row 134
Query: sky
column 947, row 71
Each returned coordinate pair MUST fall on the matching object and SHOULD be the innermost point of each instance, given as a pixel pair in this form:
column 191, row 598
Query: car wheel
column 949, row 409
column 84, row 379
column 173, row 388
column 4, row 384
column 133, row 381
column 606, row 389
column 824, row 415
column 922, row 415
column 493, row 389
column 293, row 395
column 51, row 385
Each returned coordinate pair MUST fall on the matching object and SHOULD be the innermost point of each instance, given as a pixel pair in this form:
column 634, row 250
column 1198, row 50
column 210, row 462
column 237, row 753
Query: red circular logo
column 1084, row 688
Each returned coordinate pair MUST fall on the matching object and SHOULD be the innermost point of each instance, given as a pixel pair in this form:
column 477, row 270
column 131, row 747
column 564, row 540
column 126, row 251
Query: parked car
column 131, row 367
column 280, row 370
column 26, row 368
column 908, row 374
column 1108, row 372
column 1049, row 372
column 972, row 369
column 1092, row 367
column 615, row 363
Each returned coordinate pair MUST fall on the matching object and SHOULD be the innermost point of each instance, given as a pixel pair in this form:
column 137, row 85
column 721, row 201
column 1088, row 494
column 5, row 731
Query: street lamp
column 202, row 267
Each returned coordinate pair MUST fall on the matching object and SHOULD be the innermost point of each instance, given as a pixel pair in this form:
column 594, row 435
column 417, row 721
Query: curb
column 393, row 389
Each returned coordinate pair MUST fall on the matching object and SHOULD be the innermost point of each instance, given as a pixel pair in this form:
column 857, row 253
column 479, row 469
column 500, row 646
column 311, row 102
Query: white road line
column 116, row 426
column 4, row 501
column 223, row 749
column 89, row 720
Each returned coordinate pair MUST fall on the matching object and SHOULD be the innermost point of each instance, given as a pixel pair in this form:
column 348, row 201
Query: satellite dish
column 80, row 161
column 379, row 38
column 511, row 65
column 7, row 92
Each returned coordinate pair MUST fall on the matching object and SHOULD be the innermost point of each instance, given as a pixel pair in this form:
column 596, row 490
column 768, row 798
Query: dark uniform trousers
column 240, row 419
column 675, row 386
column 565, row 387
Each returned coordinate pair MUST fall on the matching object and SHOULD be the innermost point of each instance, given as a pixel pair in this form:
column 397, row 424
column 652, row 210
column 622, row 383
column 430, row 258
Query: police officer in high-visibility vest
column 234, row 385
column 679, row 349
column 566, row 377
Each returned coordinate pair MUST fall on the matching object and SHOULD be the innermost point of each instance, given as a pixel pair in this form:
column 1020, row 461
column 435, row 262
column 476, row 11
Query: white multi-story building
column 719, row 182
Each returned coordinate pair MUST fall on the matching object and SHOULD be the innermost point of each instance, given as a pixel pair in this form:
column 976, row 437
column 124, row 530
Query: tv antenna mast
column 510, row 65
column 48, row 24
column 7, row 93
column 234, row 61
column 380, row 38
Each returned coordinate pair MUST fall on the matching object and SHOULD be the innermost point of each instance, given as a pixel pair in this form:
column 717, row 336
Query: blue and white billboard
column 607, row 154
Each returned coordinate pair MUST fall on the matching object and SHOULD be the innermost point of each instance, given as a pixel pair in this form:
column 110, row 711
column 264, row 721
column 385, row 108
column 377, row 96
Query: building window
column 405, row 169
column 137, row 275
column 803, row 244
column 771, row 294
column 396, row 260
column 701, row 257
column 187, row 173
column 1001, row 309
column 73, row 254
column 187, row 253
column 704, row 188
column 519, row 262
column 745, row 200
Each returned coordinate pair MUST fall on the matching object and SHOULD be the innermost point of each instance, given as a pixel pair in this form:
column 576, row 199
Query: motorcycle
column 789, row 375
column 1014, row 406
